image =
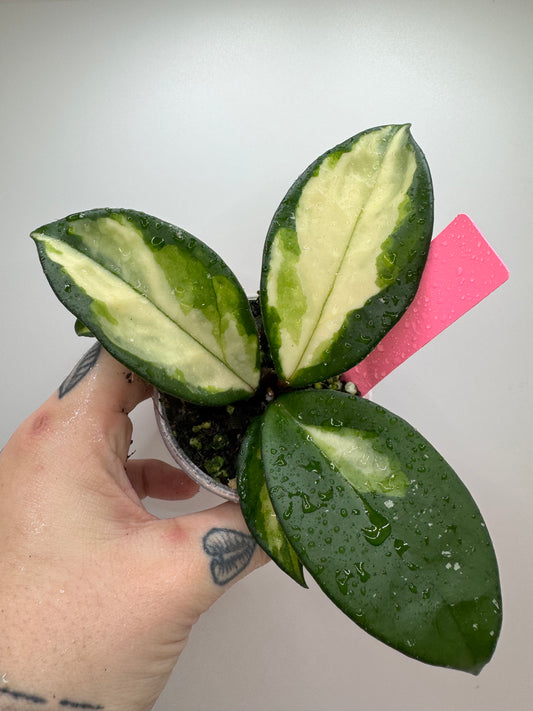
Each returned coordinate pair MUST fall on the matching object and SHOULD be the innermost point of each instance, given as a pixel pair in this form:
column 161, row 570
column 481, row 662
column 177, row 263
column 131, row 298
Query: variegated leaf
column 384, row 525
column 158, row 299
column 345, row 253
column 257, row 508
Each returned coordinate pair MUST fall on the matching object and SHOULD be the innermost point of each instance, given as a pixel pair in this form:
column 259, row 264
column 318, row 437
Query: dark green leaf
column 158, row 299
column 384, row 525
column 257, row 507
column 345, row 252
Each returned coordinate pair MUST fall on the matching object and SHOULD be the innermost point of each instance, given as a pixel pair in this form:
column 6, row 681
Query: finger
column 93, row 403
column 99, row 380
column 83, row 427
column 151, row 477
column 209, row 552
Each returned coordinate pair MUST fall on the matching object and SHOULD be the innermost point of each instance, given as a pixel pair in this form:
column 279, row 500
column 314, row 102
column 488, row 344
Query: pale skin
column 97, row 596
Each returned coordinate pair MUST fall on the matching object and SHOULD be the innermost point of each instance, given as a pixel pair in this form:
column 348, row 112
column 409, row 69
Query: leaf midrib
column 341, row 262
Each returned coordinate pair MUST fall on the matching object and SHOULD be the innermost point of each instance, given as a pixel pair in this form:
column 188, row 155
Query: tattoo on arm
column 33, row 699
column 20, row 696
column 81, row 369
column 230, row 552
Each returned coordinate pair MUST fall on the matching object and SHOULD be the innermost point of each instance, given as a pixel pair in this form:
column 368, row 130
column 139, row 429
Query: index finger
column 83, row 428
column 91, row 406
column 101, row 381
column 97, row 396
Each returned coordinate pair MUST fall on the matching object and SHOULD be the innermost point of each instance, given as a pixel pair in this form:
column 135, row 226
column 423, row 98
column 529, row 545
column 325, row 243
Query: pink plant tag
column 461, row 270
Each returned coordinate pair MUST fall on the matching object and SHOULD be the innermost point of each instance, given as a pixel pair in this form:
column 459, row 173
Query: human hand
column 98, row 596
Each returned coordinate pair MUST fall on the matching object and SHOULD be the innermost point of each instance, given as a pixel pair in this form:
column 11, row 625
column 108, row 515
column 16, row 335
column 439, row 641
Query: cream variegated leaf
column 158, row 299
column 345, row 253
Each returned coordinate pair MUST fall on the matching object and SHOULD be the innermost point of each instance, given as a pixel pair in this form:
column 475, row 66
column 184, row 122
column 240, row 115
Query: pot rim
column 182, row 460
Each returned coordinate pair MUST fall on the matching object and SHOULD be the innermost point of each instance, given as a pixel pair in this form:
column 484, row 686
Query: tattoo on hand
column 230, row 552
column 81, row 369
column 33, row 699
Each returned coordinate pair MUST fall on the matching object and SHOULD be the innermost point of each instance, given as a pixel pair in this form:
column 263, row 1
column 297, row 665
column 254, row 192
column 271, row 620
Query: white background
column 203, row 113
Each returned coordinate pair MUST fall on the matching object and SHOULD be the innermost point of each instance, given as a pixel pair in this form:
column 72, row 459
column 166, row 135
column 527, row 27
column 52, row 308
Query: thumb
column 215, row 550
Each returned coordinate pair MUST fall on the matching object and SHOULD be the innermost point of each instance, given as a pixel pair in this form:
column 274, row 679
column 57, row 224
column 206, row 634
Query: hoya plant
column 328, row 481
